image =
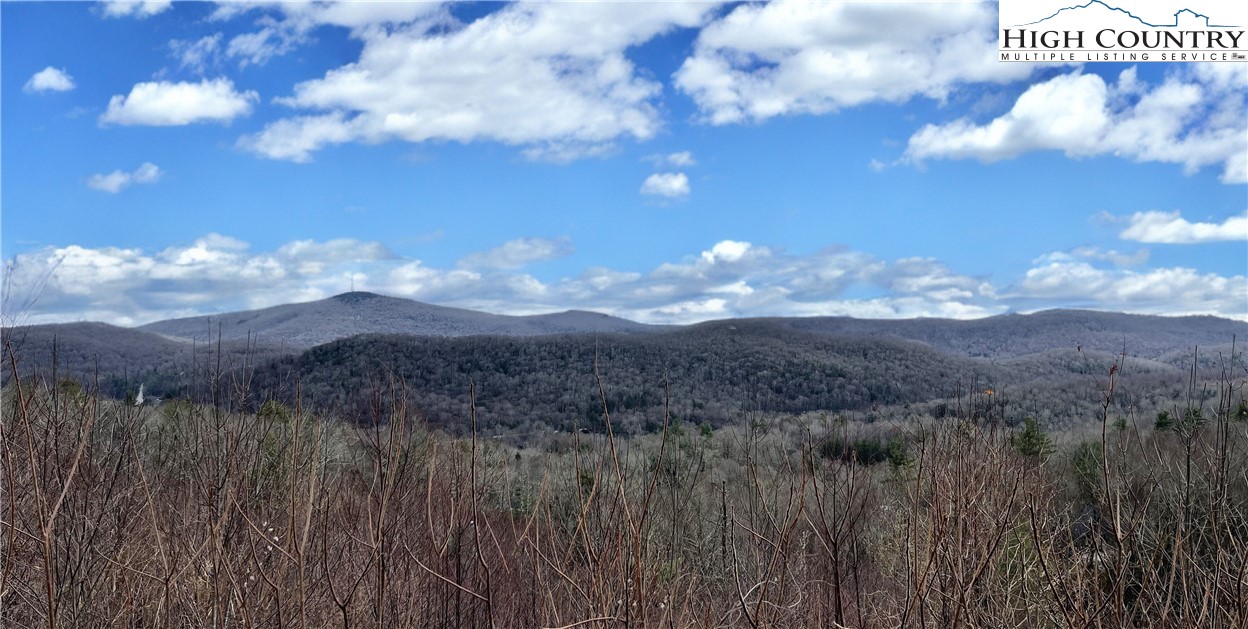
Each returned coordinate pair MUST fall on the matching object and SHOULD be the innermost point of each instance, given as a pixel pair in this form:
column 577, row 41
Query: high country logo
column 1139, row 30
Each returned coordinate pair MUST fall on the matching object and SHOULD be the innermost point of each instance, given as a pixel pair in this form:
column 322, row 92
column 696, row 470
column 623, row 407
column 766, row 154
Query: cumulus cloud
column 765, row 60
column 295, row 139
column 1170, row 291
column 49, row 79
column 130, row 286
column 118, row 180
column 164, row 103
column 739, row 278
column 1195, row 117
column 666, row 185
column 1172, row 228
column 131, row 8
column 731, row 278
column 551, row 78
column 933, row 280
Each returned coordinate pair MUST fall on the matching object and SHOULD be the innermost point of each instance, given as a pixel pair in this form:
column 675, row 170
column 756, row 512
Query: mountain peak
column 355, row 297
column 361, row 312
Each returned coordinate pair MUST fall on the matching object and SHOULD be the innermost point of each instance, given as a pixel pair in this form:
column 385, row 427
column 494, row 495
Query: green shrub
column 867, row 451
column 1031, row 440
column 1163, row 422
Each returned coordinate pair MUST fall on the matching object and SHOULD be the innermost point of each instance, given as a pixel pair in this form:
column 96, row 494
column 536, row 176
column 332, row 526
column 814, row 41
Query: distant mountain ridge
column 349, row 314
column 294, row 327
column 543, row 365
column 1148, row 336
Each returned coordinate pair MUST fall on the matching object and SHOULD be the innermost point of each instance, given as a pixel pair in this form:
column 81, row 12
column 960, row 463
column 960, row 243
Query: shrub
column 1031, row 440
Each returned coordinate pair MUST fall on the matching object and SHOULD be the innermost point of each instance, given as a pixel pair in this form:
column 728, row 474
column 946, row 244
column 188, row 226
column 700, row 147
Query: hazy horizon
column 20, row 320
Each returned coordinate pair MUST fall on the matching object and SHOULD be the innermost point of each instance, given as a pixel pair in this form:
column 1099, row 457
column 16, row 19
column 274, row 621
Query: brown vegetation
column 195, row 515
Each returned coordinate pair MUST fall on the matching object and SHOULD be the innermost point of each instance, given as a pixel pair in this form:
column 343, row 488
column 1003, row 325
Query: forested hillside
column 712, row 373
column 1046, row 365
column 1142, row 336
column 122, row 358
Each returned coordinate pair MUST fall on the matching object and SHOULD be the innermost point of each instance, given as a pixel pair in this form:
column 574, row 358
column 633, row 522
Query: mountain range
column 292, row 328
column 541, row 367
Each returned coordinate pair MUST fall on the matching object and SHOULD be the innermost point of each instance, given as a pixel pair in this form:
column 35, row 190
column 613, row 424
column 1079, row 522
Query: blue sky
column 663, row 162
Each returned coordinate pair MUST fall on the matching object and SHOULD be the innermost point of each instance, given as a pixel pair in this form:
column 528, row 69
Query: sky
column 664, row 162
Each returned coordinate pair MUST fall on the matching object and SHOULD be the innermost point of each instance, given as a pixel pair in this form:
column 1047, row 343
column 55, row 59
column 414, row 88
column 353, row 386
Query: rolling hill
column 540, row 368
column 313, row 323
column 1146, row 336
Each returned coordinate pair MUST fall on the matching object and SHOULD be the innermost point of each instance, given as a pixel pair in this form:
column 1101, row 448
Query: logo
column 1123, row 30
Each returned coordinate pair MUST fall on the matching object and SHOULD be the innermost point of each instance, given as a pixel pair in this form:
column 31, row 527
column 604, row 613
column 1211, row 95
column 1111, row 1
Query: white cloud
column 118, row 180
column 731, row 278
column 739, row 278
column 1236, row 170
column 1195, row 118
column 356, row 14
column 309, row 257
column 1117, row 258
column 1172, row 228
column 1171, row 291
column 679, row 159
column 1066, row 112
column 284, row 26
column 683, row 159
column 170, row 104
column 517, row 253
column 727, row 251
column 129, row 286
column 781, row 58
column 49, row 79
column 258, row 47
column 566, row 151
column 551, row 78
column 197, row 55
column 667, row 185
column 295, row 139
column 932, row 279
column 417, row 281
column 139, row 9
